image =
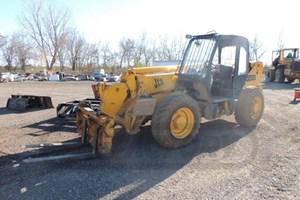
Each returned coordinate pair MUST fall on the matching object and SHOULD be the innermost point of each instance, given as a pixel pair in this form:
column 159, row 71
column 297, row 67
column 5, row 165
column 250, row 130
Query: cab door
column 241, row 69
column 235, row 56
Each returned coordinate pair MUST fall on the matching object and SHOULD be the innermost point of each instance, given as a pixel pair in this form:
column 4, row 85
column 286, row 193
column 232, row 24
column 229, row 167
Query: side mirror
column 188, row 36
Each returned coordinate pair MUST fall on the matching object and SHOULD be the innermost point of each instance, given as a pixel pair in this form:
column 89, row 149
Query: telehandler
column 214, row 78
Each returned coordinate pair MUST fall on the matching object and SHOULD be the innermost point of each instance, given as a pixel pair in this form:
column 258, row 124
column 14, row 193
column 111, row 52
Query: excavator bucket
column 22, row 102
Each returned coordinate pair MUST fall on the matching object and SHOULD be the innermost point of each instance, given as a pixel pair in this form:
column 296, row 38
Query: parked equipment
column 287, row 66
column 20, row 102
column 214, row 78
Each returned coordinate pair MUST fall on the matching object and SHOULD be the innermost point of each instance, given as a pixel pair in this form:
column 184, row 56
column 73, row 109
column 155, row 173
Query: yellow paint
column 118, row 99
column 226, row 107
column 182, row 123
column 152, row 70
column 256, row 107
column 115, row 101
column 153, row 84
column 257, row 71
column 112, row 97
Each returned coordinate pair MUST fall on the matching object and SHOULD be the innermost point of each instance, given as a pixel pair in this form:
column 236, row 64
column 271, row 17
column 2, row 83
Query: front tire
column 175, row 121
column 270, row 77
column 250, row 107
column 279, row 75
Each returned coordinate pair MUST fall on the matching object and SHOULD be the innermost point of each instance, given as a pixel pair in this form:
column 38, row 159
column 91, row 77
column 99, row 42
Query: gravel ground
column 225, row 161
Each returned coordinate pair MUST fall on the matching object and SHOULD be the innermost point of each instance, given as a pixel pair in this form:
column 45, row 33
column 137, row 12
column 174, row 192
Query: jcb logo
column 158, row 82
column 251, row 78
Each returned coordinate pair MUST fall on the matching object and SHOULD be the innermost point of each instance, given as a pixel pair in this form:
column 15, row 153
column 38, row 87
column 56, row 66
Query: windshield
column 290, row 53
column 197, row 56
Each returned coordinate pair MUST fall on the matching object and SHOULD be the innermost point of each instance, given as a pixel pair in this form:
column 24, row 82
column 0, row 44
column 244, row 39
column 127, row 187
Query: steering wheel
column 214, row 67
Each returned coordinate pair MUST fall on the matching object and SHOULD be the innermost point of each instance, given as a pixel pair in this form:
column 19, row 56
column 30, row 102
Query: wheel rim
column 182, row 123
column 256, row 107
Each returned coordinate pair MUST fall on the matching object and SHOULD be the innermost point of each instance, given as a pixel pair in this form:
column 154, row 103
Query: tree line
column 47, row 38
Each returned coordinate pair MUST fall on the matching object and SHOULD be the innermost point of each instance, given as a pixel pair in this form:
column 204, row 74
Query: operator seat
column 222, row 81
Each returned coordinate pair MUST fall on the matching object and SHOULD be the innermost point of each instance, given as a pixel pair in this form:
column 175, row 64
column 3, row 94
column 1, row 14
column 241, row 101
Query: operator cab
column 214, row 67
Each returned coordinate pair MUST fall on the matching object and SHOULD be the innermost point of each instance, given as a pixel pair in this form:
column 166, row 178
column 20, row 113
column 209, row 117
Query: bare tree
column 169, row 49
column 106, row 54
column 140, row 47
column 91, row 56
column 47, row 24
column 256, row 49
column 17, row 50
column 280, row 43
column 163, row 52
column 62, row 53
column 62, row 57
column 113, row 60
column 23, row 49
column 75, row 44
column 81, row 53
column 83, row 56
column 177, row 47
column 8, row 52
column 141, row 51
column 127, row 47
column 150, row 51
column 145, row 50
column 2, row 40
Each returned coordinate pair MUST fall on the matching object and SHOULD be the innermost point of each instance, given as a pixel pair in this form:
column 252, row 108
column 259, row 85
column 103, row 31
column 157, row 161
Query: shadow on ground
column 280, row 86
column 52, row 125
column 135, row 165
column 5, row 111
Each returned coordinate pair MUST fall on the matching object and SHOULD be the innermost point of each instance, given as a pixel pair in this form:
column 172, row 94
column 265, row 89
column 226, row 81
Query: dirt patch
column 225, row 161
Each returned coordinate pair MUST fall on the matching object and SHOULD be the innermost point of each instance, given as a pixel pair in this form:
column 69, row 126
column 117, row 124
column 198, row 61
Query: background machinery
column 287, row 66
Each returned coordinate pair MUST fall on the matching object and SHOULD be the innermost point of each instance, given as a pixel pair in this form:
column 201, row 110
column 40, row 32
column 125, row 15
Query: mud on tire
column 279, row 75
column 250, row 107
column 270, row 75
column 175, row 121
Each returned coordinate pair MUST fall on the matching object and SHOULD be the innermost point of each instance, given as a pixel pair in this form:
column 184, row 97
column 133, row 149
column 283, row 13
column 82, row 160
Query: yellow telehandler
column 214, row 78
column 286, row 65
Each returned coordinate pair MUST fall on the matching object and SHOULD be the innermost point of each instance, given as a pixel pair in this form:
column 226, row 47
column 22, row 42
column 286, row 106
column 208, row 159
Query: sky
column 110, row 20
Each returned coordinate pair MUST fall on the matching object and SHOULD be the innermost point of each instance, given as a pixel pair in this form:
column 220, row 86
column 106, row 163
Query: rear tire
column 270, row 77
column 250, row 107
column 279, row 75
column 175, row 121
